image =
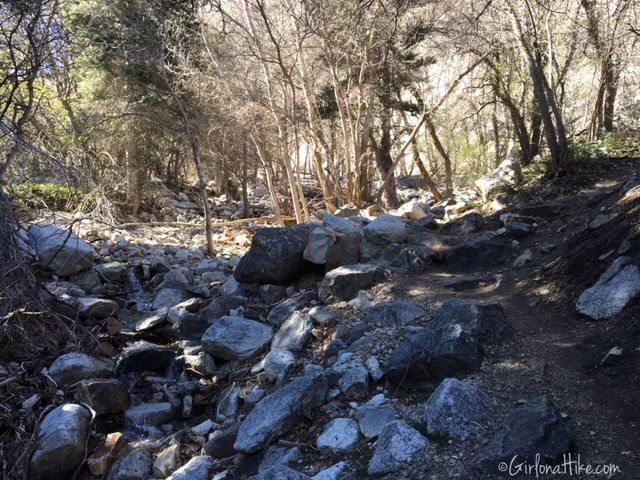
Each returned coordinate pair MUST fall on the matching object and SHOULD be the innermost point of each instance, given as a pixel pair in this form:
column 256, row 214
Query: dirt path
column 552, row 351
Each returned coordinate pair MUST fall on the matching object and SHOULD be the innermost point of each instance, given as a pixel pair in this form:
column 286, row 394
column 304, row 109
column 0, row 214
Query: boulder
column 106, row 453
column 386, row 229
column 271, row 294
column 105, row 396
column 228, row 403
column 277, row 364
column 318, row 244
column 536, row 428
column 413, row 210
column 344, row 283
column 498, row 181
column 166, row 461
column 350, row 375
column 373, row 418
column 341, row 225
column 393, row 313
column 477, row 253
column 397, row 445
column 61, row 250
column 344, row 250
column 195, row 469
column 133, row 466
column 276, row 456
column 281, row 312
column 451, row 344
column 98, row 308
column 73, row 367
column 144, row 357
column 236, row 338
column 113, row 272
column 277, row 413
column 611, row 293
column 340, row 435
column 220, row 444
column 458, row 410
column 60, row 444
column 293, row 333
column 168, row 297
column 275, row 256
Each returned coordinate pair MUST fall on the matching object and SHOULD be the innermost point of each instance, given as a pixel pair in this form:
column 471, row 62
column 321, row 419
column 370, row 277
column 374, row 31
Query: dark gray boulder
column 144, row 357
column 105, row 396
column 536, row 428
column 236, row 338
column 277, row 413
column 344, row 283
column 275, row 256
column 477, row 253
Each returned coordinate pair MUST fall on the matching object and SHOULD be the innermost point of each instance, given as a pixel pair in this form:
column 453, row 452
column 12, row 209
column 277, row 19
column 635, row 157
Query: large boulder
column 73, row 367
column 61, row 250
column 451, row 344
column 277, row 413
column 344, row 283
column 611, row 293
column 498, row 181
column 275, row 256
column 386, row 229
column 397, row 445
column 236, row 338
column 535, row 432
column 60, row 445
column 458, row 410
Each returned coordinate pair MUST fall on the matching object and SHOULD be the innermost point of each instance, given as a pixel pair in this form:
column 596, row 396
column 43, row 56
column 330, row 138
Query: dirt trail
column 552, row 351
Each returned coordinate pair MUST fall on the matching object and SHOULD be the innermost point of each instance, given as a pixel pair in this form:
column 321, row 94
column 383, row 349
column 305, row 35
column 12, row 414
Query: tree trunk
column 431, row 128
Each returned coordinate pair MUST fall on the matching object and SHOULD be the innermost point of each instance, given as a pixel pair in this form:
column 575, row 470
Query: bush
column 42, row 196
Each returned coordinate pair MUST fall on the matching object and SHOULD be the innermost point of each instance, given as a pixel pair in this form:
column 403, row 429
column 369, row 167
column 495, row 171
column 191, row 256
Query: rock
column 88, row 280
column 413, row 210
column 144, row 357
column 341, row 225
column 611, row 293
column 275, row 256
column 61, row 250
column 277, row 364
column 202, row 362
column 537, row 428
column 106, row 397
column 277, row 413
column 236, row 338
column 601, row 220
column 195, row 469
column 318, row 244
column 102, row 458
column 293, row 333
column 458, row 410
column 228, row 403
column 150, row 414
column 133, row 466
column 428, row 222
column 231, row 287
column 220, row 444
column 213, row 277
column 113, row 272
column 339, row 435
column 344, row 250
column 98, row 308
column 322, row 315
column 397, row 444
column 386, row 229
column 469, row 223
column 334, row 472
column 393, row 313
column 276, row 456
column 206, row 265
column 373, row 366
column 344, row 283
column 73, row 367
column 220, row 306
column 166, row 461
column 153, row 320
column 373, row 418
column 523, row 259
column 203, row 428
column 168, row 297
column 518, row 230
column 271, row 294
column 281, row 472
column 60, row 447
column 281, row 312
column 498, row 181
column 350, row 375
column 450, row 344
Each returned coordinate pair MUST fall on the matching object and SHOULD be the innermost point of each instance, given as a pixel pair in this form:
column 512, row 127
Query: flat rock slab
column 611, row 293
column 236, row 338
column 73, row 367
column 458, row 410
column 60, row 447
column 397, row 445
column 344, row 283
column 277, row 413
